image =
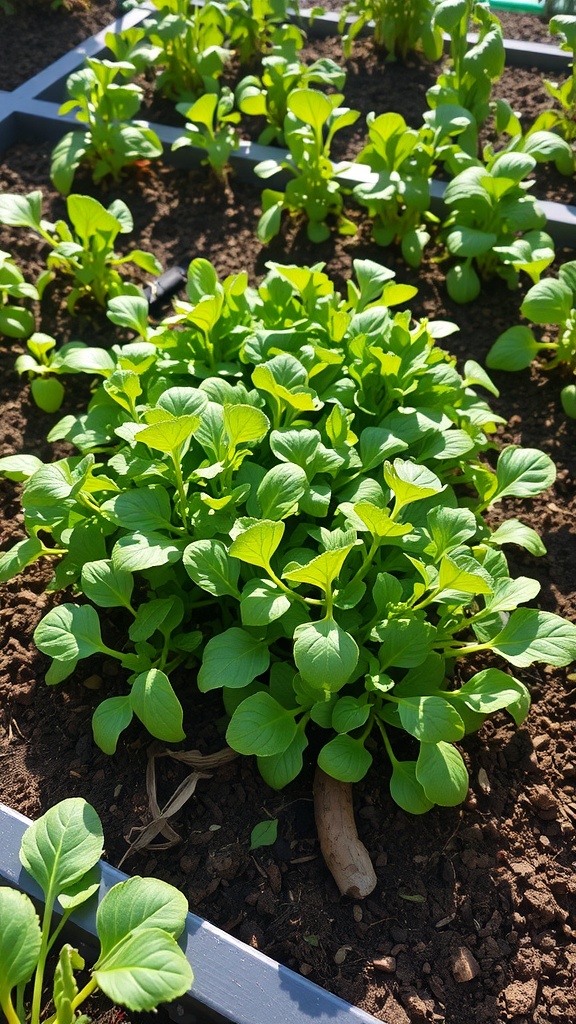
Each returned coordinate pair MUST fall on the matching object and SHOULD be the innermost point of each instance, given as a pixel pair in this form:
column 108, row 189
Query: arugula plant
column 16, row 321
column 255, row 26
column 43, row 363
column 138, row 921
column 282, row 73
column 314, row 191
column 537, row 142
column 494, row 227
column 404, row 160
column 191, row 46
column 562, row 120
column 551, row 301
column 112, row 139
column 280, row 492
column 400, row 26
column 473, row 69
column 210, row 126
column 83, row 249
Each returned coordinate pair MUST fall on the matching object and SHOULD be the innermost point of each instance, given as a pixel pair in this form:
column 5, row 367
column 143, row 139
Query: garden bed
column 486, row 890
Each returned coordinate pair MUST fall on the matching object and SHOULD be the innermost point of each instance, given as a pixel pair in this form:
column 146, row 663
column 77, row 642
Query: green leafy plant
column 83, row 249
column 539, row 143
column 398, row 199
column 552, row 301
column 314, row 191
column 494, row 227
column 191, row 46
column 15, row 321
column 210, row 126
column 280, row 491
column 283, row 72
column 133, row 50
column 473, row 69
column 112, row 139
column 400, row 26
column 43, row 363
column 138, row 921
column 254, row 26
column 562, row 120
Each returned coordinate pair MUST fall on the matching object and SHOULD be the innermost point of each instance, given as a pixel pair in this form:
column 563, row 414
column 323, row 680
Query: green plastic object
column 542, row 8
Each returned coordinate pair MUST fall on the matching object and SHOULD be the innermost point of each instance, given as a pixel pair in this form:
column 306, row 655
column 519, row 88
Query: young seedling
column 314, row 191
column 254, row 26
column 15, row 321
column 191, row 47
column 83, row 249
column 138, row 921
column 112, row 139
column 400, row 26
column 494, row 227
column 282, row 73
column 551, row 302
column 562, row 120
column 474, row 69
column 210, row 126
column 537, row 142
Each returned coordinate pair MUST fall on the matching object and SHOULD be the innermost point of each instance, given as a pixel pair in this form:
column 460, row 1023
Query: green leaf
column 326, row 656
column 491, row 690
column 513, row 531
column 65, row 987
column 508, row 593
column 110, row 719
column 69, row 631
column 21, row 211
column 157, row 706
column 278, row 770
column 405, row 789
column 145, row 509
column 350, row 713
column 107, row 586
column 137, row 551
column 531, row 635
column 548, row 302
column 209, row 564
column 411, row 482
column 442, row 774
column 322, row 570
column 568, row 399
column 24, row 553
column 19, row 467
column 280, row 490
column 310, row 106
column 149, row 618
column 345, row 758
column 265, row 833
column 262, row 602
column 378, row 521
column 146, row 969
column 463, row 283
column 430, row 719
column 62, row 845
column 258, row 542
column 48, row 393
column 244, row 423
column 523, row 473
column 405, row 642
column 461, row 573
column 234, row 659
column 20, row 941
column 135, row 905
column 260, row 725
column 514, row 349
column 170, row 434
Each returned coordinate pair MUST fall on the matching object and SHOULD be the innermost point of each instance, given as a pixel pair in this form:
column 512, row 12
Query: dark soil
column 472, row 920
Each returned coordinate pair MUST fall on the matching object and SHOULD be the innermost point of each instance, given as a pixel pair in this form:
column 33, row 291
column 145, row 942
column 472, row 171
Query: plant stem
column 86, row 991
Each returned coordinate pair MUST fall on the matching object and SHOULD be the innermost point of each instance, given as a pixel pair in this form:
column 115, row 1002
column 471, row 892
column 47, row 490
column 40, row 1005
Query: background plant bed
column 490, row 882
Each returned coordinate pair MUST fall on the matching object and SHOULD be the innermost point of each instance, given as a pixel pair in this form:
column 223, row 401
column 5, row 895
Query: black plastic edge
column 233, row 983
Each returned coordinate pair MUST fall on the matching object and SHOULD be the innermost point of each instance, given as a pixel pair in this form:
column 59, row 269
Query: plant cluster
column 112, row 140
column 138, row 921
column 281, row 491
column 400, row 26
column 16, row 321
column 82, row 249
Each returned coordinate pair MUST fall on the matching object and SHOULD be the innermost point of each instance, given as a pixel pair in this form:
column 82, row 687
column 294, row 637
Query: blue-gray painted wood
column 233, row 983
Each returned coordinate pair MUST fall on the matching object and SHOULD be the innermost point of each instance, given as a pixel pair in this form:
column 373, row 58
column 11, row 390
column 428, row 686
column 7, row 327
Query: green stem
column 58, row 929
column 39, row 978
column 181, row 488
column 369, row 558
column 292, row 593
column 386, row 741
column 11, row 1015
column 86, row 991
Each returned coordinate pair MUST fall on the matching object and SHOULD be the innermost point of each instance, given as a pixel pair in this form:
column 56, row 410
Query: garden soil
column 473, row 917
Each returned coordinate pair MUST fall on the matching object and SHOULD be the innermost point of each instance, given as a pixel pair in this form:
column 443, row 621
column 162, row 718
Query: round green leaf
column 260, row 725
column 234, row 659
column 111, row 717
column 62, row 845
column 209, row 564
column 325, row 654
column 68, row 632
column 405, row 789
column 146, row 969
column 430, row 719
column 157, row 706
column 523, row 472
column 139, row 903
column 345, row 758
column 19, row 940
column 442, row 774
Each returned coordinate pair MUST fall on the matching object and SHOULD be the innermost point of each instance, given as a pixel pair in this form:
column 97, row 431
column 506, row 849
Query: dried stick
column 346, row 856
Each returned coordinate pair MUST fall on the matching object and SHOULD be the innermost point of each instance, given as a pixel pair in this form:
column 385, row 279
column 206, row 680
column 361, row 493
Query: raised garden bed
column 492, row 880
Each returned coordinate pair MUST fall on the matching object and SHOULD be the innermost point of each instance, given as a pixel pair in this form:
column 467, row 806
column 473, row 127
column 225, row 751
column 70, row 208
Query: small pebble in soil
column 465, row 966
column 387, row 964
